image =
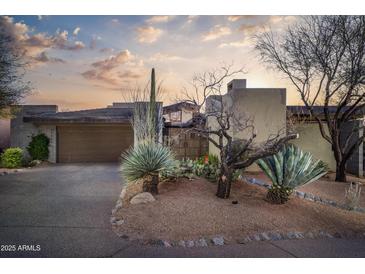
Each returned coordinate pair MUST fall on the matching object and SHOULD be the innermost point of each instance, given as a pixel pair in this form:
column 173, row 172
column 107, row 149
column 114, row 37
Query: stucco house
column 310, row 138
column 265, row 106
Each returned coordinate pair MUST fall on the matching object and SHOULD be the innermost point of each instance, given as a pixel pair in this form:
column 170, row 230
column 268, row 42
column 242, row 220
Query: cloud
column 106, row 50
column 158, row 19
column 148, row 34
column 236, row 44
column 44, row 58
column 76, row 31
column 113, row 61
column 108, row 70
column 216, row 32
column 234, row 18
column 33, row 45
column 163, row 57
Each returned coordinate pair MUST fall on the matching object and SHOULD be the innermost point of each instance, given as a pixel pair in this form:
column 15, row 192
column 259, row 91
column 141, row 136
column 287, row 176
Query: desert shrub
column 288, row 169
column 207, row 167
column 146, row 161
column 352, row 196
column 38, row 147
column 12, row 157
column 179, row 169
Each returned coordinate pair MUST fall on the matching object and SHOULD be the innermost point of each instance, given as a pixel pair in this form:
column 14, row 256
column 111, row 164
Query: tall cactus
column 152, row 107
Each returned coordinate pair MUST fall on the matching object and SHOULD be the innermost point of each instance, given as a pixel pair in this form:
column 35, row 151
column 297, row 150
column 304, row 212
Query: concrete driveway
column 63, row 208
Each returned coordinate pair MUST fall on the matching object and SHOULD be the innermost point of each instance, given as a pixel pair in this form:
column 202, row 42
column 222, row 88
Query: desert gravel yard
column 190, row 210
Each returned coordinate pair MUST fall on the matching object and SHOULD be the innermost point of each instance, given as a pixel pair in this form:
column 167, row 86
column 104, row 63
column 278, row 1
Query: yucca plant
column 145, row 161
column 288, row 169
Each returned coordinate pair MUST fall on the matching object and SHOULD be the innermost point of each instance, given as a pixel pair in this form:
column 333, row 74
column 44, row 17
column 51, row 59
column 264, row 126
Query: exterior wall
column 186, row 115
column 266, row 108
column 311, row 140
column 4, row 133
column 21, row 132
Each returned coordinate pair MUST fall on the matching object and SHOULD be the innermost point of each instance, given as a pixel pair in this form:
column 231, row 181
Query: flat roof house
column 93, row 135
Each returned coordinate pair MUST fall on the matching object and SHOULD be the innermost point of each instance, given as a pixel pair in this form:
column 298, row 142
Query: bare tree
column 324, row 58
column 234, row 153
column 12, row 70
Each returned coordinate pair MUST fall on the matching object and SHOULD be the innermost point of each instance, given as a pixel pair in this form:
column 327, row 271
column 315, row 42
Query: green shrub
column 38, row 147
column 288, row 169
column 12, row 157
column 207, row 167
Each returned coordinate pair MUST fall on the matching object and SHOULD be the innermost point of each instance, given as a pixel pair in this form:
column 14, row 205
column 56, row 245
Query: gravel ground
column 189, row 210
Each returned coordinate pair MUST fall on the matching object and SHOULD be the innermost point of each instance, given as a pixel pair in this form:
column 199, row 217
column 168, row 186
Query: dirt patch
column 189, row 210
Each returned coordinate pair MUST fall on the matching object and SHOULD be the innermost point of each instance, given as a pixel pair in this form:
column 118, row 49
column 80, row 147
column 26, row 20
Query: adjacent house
column 178, row 133
column 266, row 107
column 311, row 140
column 181, row 112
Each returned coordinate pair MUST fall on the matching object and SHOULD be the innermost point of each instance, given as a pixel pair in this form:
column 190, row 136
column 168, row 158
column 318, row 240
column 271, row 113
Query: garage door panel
column 93, row 143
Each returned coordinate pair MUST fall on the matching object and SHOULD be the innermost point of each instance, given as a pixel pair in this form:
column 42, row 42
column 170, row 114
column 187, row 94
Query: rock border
column 258, row 237
column 305, row 196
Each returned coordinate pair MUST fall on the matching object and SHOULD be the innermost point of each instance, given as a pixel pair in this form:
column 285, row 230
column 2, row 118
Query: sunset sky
column 88, row 61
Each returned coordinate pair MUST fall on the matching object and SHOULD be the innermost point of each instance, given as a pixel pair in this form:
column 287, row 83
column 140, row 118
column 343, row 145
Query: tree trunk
column 340, row 172
column 151, row 184
column 224, row 183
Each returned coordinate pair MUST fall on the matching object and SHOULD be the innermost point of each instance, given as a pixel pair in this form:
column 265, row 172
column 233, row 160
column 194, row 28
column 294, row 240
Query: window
column 175, row 116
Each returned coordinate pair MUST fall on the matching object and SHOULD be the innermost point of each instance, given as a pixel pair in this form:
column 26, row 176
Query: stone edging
column 265, row 236
column 306, row 196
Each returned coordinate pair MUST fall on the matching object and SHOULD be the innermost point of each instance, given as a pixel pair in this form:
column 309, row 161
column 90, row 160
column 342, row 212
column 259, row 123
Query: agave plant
column 146, row 161
column 288, row 169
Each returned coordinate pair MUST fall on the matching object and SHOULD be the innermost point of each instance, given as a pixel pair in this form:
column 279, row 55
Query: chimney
column 236, row 84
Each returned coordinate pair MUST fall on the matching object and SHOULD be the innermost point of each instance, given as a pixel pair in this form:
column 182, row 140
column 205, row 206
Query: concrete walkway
column 65, row 210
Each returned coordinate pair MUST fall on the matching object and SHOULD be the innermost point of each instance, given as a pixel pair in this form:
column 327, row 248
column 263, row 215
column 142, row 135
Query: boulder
column 142, row 198
column 131, row 190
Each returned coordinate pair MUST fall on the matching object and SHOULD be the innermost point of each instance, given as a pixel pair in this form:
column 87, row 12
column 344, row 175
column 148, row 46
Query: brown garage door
column 93, row 143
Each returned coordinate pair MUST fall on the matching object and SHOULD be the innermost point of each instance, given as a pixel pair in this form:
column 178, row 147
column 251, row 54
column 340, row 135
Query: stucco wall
column 22, row 132
column 311, row 140
column 266, row 107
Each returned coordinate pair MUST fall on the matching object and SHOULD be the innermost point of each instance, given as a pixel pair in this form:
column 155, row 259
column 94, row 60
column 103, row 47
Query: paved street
column 65, row 209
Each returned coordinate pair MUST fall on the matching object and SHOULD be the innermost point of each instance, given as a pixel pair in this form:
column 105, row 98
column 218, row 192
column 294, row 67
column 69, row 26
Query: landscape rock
column 275, row 236
column 166, row 243
column 291, row 235
column 201, row 243
column 265, row 236
column 257, row 237
column 119, row 222
column 142, row 198
column 189, row 243
column 131, row 190
column 218, row 240
column 245, row 240
column 181, row 243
